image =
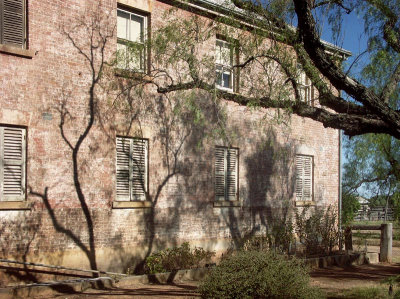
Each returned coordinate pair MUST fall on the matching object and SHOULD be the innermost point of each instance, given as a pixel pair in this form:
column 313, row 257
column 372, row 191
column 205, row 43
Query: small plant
column 177, row 258
column 279, row 238
column 255, row 274
column 318, row 232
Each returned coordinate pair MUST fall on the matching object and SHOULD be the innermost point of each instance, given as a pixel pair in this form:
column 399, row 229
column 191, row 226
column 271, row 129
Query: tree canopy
column 372, row 105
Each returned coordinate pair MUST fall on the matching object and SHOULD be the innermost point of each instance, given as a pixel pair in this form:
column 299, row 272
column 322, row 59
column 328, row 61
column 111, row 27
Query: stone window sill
column 226, row 203
column 304, row 203
column 15, row 205
column 131, row 204
column 26, row 53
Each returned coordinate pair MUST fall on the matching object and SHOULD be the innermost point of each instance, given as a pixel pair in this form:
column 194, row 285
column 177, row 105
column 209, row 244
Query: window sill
column 15, row 205
column 304, row 203
column 131, row 204
column 227, row 203
column 26, row 53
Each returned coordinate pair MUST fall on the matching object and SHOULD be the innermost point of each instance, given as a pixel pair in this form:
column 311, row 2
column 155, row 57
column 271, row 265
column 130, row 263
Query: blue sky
column 352, row 39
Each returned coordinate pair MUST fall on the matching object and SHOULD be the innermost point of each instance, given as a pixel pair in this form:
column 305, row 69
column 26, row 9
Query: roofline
column 215, row 8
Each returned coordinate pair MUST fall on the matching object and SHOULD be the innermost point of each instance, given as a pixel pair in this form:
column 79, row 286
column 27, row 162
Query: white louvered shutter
column 231, row 174
column 123, row 162
column 139, row 169
column 220, row 173
column 226, row 173
column 304, row 177
column 12, row 22
column 12, row 176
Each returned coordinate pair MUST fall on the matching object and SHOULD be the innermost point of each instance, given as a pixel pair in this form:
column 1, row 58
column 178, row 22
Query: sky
column 352, row 39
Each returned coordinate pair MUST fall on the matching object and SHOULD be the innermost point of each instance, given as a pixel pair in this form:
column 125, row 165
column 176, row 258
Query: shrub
column 254, row 274
column 177, row 258
column 318, row 232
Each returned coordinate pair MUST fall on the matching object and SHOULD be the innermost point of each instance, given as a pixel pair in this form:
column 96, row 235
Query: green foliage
column 350, row 206
column 317, row 230
column 253, row 274
column 366, row 293
column 177, row 258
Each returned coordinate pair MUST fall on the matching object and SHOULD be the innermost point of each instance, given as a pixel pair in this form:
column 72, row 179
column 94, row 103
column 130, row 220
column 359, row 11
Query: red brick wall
column 31, row 92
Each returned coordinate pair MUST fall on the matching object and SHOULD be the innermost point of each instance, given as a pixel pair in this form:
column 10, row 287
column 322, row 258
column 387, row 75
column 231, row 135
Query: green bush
column 254, row 274
column 177, row 258
column 318, row 229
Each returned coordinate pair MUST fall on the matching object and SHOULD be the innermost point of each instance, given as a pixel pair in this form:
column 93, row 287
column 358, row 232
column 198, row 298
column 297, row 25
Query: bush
column 177, row 258
column 254, row 274
column 319, row 231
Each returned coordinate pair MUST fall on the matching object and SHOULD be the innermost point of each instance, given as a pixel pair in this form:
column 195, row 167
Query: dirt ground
column 332, row 280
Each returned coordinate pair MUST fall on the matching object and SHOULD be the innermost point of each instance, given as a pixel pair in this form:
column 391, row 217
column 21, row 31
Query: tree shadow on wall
column 18, row 236
column 267, row 198
column 94, row 25
column 175, row 132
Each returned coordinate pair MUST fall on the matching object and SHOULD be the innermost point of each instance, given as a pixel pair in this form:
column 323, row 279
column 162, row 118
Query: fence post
column 348, row 239
column 386, row 243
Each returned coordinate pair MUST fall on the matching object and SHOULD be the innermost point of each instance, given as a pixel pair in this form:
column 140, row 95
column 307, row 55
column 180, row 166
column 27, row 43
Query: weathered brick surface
column 31, row 92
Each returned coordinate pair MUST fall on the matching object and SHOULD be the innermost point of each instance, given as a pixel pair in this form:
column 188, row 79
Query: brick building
column 144, row 177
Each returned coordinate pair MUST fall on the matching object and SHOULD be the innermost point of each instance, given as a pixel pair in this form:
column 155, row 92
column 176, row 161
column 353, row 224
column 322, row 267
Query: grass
column 380, row 292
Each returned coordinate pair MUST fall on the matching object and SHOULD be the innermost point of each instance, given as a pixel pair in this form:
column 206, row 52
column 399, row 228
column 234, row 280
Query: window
column 13, row 23
column 226, row 173
column 132, row 168
column 13, row 160
column 304, row 178
column 305, row 87
column 131, row 37
column 224, row 59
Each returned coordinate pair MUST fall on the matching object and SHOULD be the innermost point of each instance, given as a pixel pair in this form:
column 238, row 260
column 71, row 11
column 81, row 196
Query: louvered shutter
column 220, row 173
column 139, row 169
column 304, row 177
column 231, row 174
column 123, row 162
column 12, row 21
column 12, row 176
column 131, row 168
column 226, row 173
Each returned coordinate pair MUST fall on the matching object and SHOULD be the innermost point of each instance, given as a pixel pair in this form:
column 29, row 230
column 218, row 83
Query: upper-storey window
column 131, row 35
column 13, row 23
column 305, row 87
column 224, row 59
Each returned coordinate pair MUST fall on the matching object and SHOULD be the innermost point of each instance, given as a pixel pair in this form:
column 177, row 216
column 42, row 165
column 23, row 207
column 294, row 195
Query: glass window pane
column 122, row 24
column 227, row 76
column 218, row 53
column 121, row 55
column 137, row 28
column 218, row 75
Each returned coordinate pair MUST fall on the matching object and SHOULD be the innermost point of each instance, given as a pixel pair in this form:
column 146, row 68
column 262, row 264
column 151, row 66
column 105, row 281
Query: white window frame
column 225, row 68
column 12, row 157
column 223, row 171
column 144, row 160
column 303, row 179
column 126, row 42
